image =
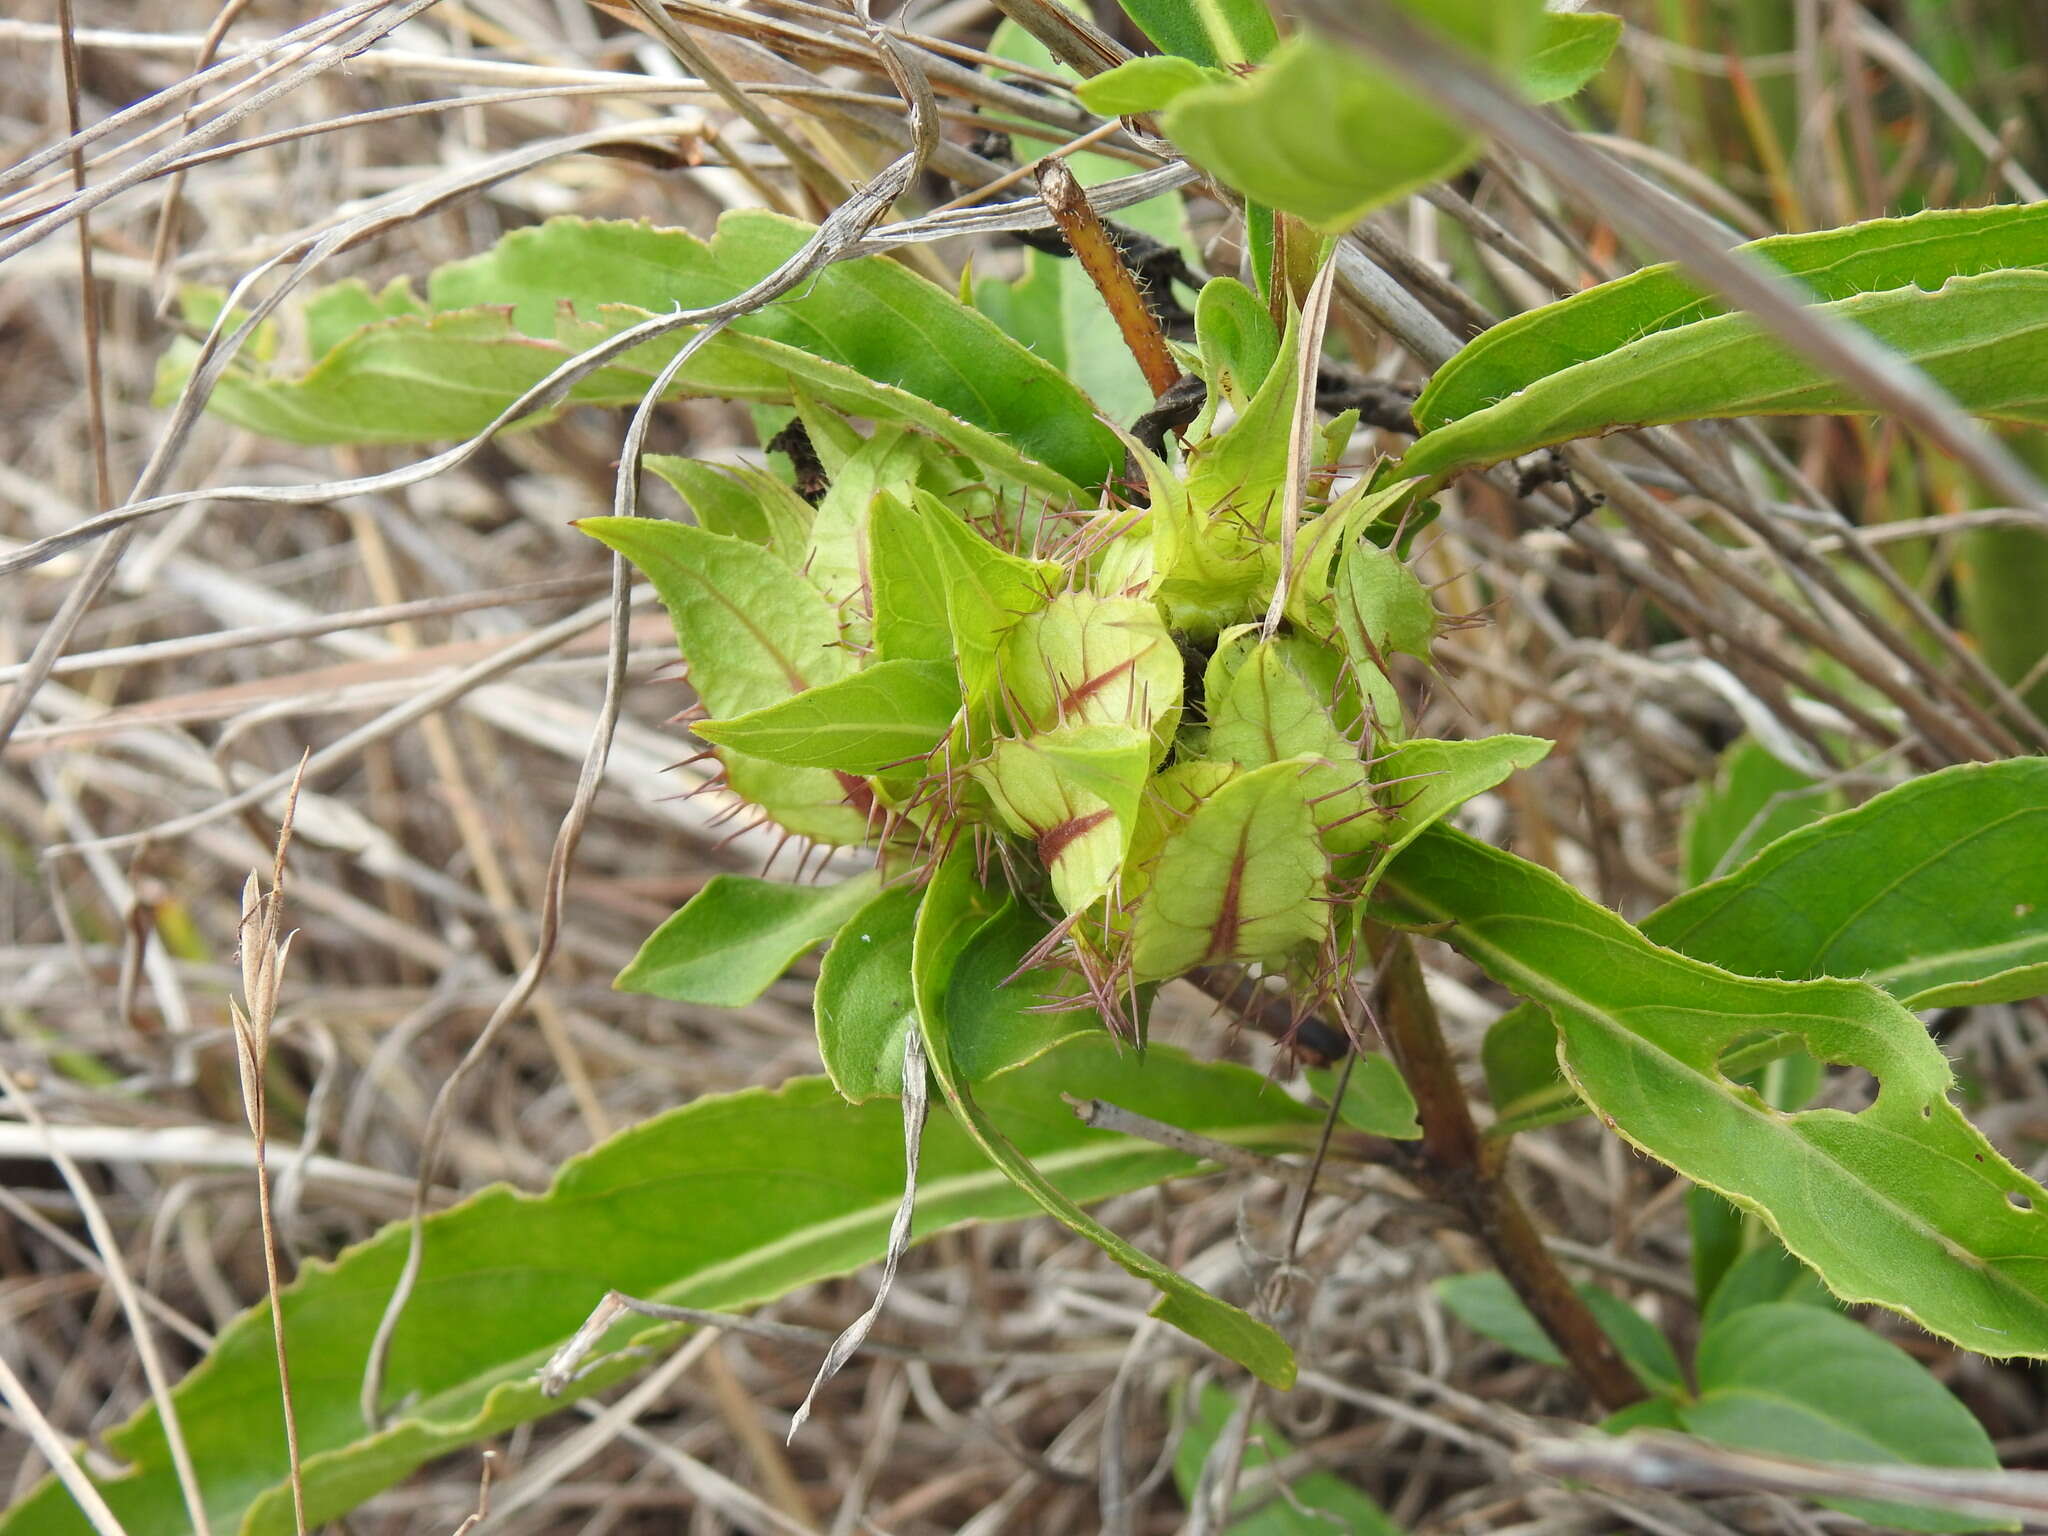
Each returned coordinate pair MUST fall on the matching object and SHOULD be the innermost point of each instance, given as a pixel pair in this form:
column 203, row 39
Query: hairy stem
column 1467, row 1173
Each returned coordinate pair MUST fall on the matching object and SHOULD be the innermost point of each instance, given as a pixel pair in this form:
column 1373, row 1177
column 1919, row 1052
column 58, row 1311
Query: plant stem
column 1464, row 1171
column 1105, row 266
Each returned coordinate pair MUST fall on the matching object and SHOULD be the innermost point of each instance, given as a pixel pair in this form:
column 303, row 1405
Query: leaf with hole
column 1904, row 1204
column 1932, row 891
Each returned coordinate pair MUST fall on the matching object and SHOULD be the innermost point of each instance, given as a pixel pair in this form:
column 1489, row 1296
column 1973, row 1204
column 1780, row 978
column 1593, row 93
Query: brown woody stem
column 1466, row 1172
column 1105, row 266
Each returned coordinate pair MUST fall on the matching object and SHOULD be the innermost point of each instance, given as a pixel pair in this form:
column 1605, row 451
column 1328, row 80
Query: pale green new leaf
column 740, row 501
column 1241, row 879
column 753, row 1194
column 946, row 925
column 1271, row 713
column 1074, row 792
column 1804, row 1381
column 729, row 942
column 1276, row 136
column 1143, row 84
column 1426, row 780
column 836, row 561
column 921, row 552
column 754, row 633
column 1088, row 660
column 885, row 714
column 1237, row 337
column 1382, row 607
column 1904, row 1204
column 1571, row 48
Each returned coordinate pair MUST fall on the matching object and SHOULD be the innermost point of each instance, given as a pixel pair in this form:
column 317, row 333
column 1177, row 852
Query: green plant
column 1079, row 715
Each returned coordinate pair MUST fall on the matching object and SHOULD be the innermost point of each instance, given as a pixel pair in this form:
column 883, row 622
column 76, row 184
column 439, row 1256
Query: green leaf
column 923, row 553
column 731, row 941
column 868, row 337
column 1903, row 1204
column 1376, row 1100
column 1088, row 660
column 1523, row 1079
column 864, row 1002
column 1764, row 1276
column 1923, row 251
column 1208, row 31
column 782, row 1188
column 888, row 713
column 1571, row 48
column 740, row 502
column 2000, row 575
column 1958, row 293
column 892, row 460
column 1002, row 1016
column 867, row 998
column 1312, row 1504
column 1486, row 1303
column 1237, row 337
column 1142, row 85
column 1273, row 136
column 1936, row 891
column 1074, row 792
column 1928, row 890
column 1382, row 607
column 1753, row 800
column 1270, row 713
column 1427, row 780
column 753, row 634
column 1241, row 879
column 951, row 916
column 1802, row 1381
